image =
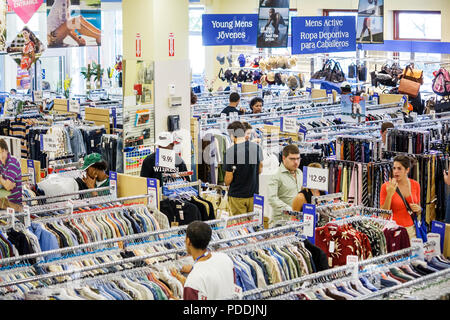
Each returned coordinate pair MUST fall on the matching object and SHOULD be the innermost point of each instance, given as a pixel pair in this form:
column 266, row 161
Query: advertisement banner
column 370, row 23
column 229, row 29
column 25, row 9
column 273, row 24
column 74, row 23
column 2, row 26
column 25, row 49
column 323, row 34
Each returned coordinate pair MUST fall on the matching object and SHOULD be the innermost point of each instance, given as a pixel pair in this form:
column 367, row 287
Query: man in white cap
column 149, row 168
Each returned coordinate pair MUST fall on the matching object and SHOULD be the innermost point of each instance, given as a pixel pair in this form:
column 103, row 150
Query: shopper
column 401, row 186
column 256, row 105
column 305, row 196
column 149, row 168
column 10, row 176
column 212, row 276
column 285, row 184
column 243, row 164
column 249, row 133
column 96, row 175
column 384, row 127
column 234, row 99
column 276, row 19
column 13, row 92
column 346, row 88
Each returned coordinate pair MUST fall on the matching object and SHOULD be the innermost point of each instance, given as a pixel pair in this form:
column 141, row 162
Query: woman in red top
column 29, row 50
column 409, row 188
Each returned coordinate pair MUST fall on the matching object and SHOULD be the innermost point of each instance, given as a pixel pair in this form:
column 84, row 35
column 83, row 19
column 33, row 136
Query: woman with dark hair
column 30, row 48
column 402, row 195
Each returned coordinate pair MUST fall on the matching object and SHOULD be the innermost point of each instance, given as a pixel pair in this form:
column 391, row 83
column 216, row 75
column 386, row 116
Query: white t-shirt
column 212, row 279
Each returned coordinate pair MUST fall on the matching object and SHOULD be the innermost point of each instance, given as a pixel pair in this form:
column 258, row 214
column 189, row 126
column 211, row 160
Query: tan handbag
column 415, row 75
column 411, row 88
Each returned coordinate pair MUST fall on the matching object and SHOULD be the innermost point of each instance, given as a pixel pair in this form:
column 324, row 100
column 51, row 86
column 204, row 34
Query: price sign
column 73, row 106
column 31, row 172
column 439, row 228
column 351, row 259
column 165, row 158
column 37, row 96
column 375, row 98
column 113, row 182
column 239, row 86
column 49, row 143
column 288, row 125
column 330, row 95
column 418, row 242
column 436, row 248
column 152, row 191
column 309, row 215
column 258, row 207
column 315, row 178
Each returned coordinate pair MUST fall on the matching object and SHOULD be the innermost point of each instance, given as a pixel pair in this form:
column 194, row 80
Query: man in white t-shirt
column 212, row 276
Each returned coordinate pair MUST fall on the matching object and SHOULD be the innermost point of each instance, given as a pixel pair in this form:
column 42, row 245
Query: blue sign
column 258, row 207
column 439, row 228
column 43, row 74
column 229, row 29
column 309, row 215
column 323, row 34
column 31, row 169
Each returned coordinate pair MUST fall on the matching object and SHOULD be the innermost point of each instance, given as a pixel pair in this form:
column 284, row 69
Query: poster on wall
column 2, row 26
column 25, row 9
column 370, row 24
column 273, row 24
column 25, row 49
column 73, row 23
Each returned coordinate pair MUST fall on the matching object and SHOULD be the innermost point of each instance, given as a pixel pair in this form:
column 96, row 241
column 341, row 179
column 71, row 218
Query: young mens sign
column 323, row 34
column 229, row 29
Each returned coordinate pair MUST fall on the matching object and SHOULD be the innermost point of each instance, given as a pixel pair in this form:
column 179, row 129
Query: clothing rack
column 422, row 279
column 330, row 272
column 215, row 186
column 82, row 192
column 327, row 197
column 175, row 230
column 169, row 252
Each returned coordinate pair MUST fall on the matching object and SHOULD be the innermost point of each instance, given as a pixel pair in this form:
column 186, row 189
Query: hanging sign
column 49, row 143
column 36, row 96
column 229, row 29
column 273, row 24
column 113, row 182
column 171, row 45
column 288, row 125
column 370, row 24
column 309, row 215
column 165, row 158
column 438, row 228
column 138, row 45
column 323, row 34
column 258, row 208
column 25, row 9
column 315, row 178
column 152, row 191
column 31, row 170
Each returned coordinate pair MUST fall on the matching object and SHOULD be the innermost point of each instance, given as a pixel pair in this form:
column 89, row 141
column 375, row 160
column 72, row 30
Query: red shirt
column 400, row 214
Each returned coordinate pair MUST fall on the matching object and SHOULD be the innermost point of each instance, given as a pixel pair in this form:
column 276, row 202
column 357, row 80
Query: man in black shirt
column 243, row 164
column 149, row 168
column 235, row 98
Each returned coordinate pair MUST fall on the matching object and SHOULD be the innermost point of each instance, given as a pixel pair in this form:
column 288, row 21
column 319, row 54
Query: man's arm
column 7, row 184
column 274, row 201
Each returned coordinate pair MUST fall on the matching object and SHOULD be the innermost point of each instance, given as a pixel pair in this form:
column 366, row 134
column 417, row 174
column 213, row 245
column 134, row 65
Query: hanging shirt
column 212, row 279
column 11, row 171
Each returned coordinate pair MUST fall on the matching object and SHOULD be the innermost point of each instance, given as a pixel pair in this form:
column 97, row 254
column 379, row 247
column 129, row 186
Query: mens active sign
column 323, row 34
column 229, row 29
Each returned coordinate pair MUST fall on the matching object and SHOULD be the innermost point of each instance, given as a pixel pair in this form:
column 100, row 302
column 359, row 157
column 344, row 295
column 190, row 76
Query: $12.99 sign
column 315, row 178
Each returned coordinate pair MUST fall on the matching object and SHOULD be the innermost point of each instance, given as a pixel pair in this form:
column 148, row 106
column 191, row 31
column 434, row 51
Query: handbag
column 442, row 106
column 415, row 75
column 326, row 69
column 409, row 87
column 352, row 71
column 337, row 74
column 362, row 73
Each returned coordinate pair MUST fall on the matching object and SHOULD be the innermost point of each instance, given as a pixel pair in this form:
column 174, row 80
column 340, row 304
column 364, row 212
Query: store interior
column 114, row 114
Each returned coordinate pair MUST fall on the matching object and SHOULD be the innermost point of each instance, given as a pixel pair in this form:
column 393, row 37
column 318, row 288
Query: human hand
column 446, row 178
column 243, row 109
column 416, row 208
column 392, row 186
column 186, row 268
column 90, row 182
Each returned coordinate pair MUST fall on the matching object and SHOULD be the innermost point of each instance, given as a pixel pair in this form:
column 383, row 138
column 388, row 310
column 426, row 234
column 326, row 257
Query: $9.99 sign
column 165, row 158
column 315, row 178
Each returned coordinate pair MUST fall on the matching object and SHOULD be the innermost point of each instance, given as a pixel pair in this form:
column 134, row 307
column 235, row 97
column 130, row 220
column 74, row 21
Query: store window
column 196, row 49
column 417, row 25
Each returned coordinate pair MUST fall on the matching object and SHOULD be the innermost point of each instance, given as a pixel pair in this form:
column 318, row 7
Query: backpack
column 441, row 83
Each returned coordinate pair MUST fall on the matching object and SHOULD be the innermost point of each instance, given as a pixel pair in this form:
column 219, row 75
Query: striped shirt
column 11, row 171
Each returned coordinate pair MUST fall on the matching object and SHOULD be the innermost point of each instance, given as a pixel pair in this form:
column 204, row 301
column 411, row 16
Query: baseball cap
column 164, row 139
column 90, row 159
